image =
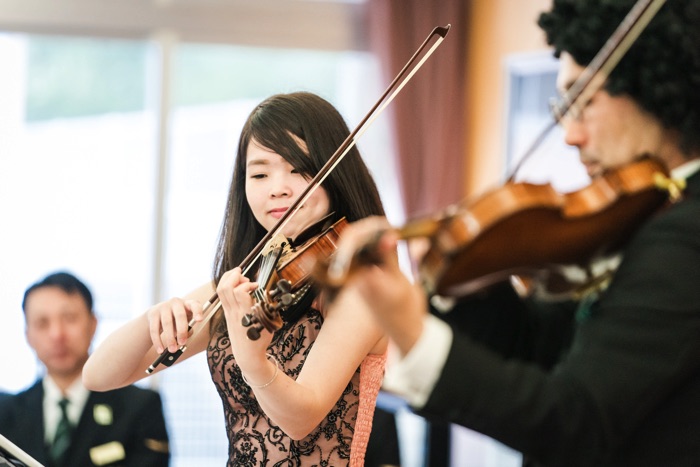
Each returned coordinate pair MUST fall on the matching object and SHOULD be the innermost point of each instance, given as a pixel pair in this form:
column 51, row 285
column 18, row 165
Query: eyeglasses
column 562, row 110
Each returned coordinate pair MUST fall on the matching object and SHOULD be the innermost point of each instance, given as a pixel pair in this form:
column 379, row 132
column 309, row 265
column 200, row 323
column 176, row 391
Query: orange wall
column 497, row 28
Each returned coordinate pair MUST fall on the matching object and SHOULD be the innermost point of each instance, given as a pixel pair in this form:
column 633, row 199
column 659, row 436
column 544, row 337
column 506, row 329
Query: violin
column 286, row 273
column 525, row 230
column 522, row 229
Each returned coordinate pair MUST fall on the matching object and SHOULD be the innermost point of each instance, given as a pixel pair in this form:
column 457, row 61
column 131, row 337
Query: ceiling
column 316, row 24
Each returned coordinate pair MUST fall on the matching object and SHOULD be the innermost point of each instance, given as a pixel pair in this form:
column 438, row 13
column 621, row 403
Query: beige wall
column 497, row 28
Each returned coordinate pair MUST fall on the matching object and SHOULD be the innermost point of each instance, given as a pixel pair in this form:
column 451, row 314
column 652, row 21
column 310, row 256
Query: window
column 531, row 81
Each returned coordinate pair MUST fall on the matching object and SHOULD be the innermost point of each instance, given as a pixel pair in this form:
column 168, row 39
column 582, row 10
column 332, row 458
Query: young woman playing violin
column 305, row 394
column 612, row 379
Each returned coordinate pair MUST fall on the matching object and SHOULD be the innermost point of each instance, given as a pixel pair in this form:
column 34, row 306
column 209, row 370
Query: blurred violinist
column 612, row 378
column 305, row 394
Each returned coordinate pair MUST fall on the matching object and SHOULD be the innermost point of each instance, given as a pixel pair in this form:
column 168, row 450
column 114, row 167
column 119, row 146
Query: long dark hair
column 350, row 187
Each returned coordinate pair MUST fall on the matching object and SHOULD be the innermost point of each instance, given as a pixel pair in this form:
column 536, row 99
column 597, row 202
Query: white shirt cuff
column 414, row 376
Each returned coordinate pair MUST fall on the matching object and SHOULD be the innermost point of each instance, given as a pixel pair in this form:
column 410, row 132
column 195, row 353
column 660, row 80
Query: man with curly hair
column 613, row 379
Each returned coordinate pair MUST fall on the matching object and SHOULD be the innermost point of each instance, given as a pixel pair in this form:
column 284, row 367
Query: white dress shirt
column 77, row 394
column 414, row 376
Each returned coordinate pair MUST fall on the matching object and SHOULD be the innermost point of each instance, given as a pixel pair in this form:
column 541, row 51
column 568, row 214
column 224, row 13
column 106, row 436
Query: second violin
column 529, row 230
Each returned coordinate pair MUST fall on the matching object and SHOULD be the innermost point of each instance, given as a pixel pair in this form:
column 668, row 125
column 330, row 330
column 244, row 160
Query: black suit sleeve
column 150, row 447
column 514, row 327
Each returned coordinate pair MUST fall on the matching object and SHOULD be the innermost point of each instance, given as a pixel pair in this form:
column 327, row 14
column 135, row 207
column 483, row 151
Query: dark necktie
column 61, row 440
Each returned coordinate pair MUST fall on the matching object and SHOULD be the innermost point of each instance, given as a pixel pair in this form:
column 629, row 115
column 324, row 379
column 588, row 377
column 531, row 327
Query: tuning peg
column 284, row 285
column 254, row 333
column 286, row 299
column 282, row 294
column 247, row 320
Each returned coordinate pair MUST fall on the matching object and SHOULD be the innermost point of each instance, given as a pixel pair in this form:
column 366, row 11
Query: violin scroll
column 267, row 313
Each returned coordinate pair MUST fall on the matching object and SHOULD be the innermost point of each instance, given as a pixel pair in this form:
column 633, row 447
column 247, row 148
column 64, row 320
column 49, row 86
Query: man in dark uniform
column 57, row 420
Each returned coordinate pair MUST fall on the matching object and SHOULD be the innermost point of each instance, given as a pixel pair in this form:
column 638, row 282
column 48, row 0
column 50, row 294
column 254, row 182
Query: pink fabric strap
column 371, row 376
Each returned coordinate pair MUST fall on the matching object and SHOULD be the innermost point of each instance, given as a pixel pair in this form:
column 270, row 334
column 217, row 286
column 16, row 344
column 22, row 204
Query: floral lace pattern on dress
column 254, row 440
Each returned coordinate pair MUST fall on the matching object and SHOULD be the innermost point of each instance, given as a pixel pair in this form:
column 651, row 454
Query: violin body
column 290, row 276
column 522, row 229
column 297, row 264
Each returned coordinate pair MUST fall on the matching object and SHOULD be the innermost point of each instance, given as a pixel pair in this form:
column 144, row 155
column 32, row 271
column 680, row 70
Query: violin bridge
column 278, row 241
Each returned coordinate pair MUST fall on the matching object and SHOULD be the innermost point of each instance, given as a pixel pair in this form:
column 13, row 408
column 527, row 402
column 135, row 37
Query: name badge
column 107, row 453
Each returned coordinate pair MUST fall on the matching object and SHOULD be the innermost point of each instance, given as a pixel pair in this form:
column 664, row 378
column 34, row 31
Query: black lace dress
column 254, row 440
